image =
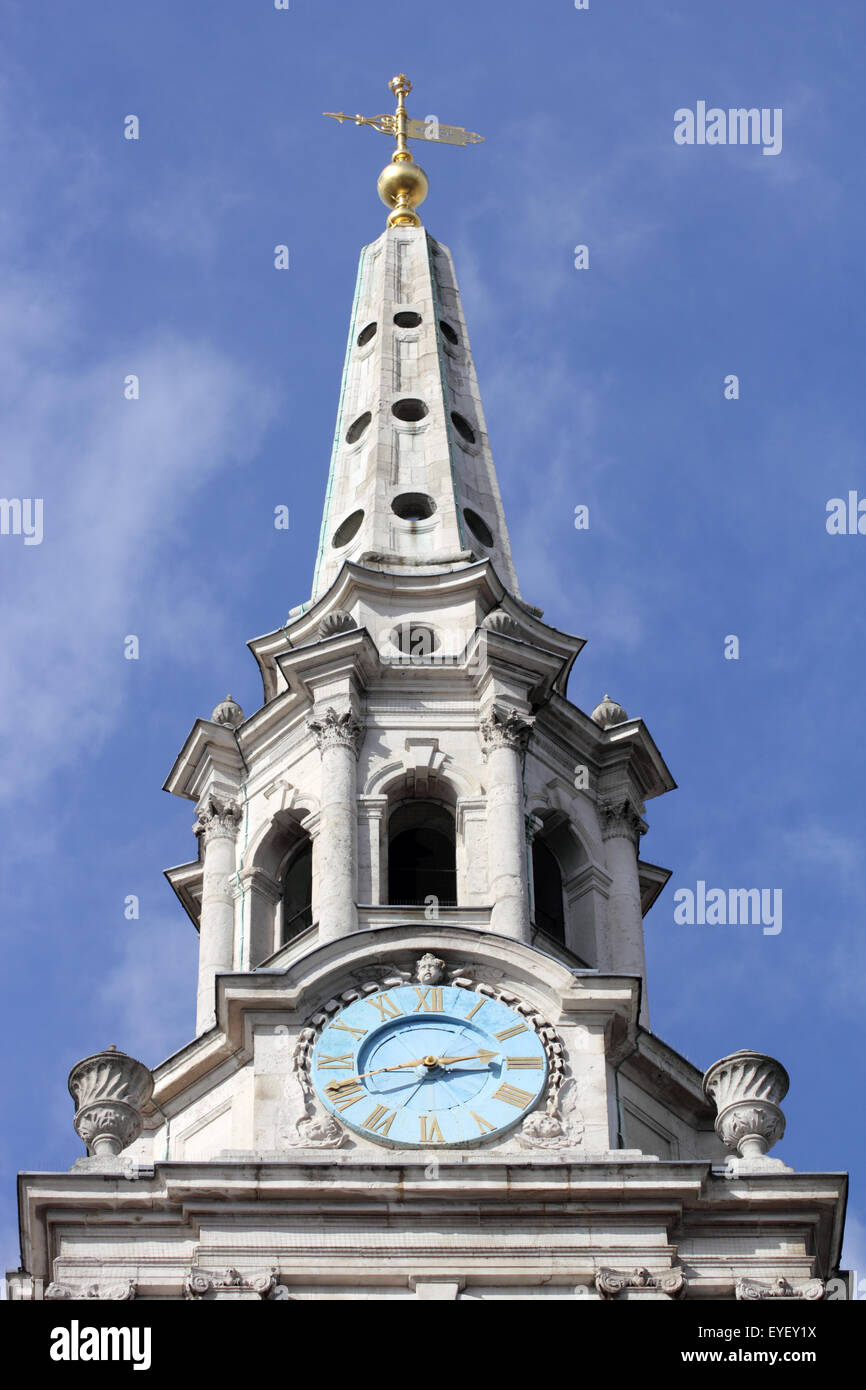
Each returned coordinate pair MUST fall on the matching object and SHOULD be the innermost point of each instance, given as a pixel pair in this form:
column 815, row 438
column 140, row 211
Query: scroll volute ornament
column 746, row 1089
column 109, row 1089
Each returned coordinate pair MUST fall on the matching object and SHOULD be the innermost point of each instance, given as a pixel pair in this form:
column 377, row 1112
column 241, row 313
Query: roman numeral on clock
column 343, row 1063
column 472, row 1012
column 379, row 1120
column 513, row 1095
column 346, row 1028
column 430, row 1131
column 483, row 1125
column 511, row 1032
column 345, row 1093
column 524, row 1063
column 387, row 1008
column 430, row 1000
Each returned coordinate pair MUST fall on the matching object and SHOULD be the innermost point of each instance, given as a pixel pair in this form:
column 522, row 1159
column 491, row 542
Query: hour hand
column 482, row 1056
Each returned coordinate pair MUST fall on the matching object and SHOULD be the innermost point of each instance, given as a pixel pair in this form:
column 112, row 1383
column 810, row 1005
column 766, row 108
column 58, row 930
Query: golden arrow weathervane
column 403, row 184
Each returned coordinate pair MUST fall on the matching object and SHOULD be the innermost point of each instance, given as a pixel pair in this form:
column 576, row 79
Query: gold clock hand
column 334, row 1087
column 482, row 1056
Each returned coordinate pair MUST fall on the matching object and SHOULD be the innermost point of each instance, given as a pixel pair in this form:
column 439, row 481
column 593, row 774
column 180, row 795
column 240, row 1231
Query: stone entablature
column 661, row 1219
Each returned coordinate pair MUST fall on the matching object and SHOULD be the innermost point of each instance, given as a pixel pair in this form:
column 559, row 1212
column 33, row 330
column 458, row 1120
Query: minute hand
column 334, row 1086
column 482, row 1056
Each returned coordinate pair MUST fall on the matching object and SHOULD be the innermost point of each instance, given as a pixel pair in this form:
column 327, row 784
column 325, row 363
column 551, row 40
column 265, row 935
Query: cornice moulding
column 209, row 750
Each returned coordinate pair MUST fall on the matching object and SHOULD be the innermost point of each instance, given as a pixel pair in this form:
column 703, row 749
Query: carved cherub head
column 429, row 970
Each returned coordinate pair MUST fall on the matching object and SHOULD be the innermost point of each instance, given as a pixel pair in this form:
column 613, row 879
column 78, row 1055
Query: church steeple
column 419, row 896
column 412, row 484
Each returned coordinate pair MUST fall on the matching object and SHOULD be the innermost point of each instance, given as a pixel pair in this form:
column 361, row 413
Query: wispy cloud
column 117, row 477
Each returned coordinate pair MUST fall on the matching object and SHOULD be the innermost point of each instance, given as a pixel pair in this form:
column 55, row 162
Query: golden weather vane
column 402, row 183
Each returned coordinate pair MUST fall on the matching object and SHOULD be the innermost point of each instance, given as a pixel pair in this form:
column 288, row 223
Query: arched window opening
column 547, row 884
column 422, row 861
column 298, row 892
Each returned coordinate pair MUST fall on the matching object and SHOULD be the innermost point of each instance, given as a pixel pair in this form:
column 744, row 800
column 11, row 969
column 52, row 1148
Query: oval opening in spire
column 348, row 529
column 409, row 410
column 463, row 427
column 413, row 506
column 366, row 334
column 407, row 318
column 478, row 526
column 357, row 428
column 449, row 333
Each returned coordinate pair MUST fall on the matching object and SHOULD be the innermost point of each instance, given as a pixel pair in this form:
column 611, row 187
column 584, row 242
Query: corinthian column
column 338, row 738
column 621, row 829
column 217, row 827
column 504, row 734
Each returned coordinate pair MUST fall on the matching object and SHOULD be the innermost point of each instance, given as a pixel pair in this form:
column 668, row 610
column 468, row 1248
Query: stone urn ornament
column 109, row 1089
column 746, row 1089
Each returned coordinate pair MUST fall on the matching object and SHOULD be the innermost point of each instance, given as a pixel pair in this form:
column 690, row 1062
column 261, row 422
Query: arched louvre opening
column 547, row 885
column 298, row 892
column 422, row 860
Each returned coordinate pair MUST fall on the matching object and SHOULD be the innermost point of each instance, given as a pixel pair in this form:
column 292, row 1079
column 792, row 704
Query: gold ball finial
column 402, row 186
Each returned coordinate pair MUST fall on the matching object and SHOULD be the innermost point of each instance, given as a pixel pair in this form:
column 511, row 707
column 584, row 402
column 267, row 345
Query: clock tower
column 423, row 1066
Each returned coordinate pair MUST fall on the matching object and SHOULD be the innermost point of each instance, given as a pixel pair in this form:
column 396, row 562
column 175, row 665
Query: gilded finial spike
column 403, row 184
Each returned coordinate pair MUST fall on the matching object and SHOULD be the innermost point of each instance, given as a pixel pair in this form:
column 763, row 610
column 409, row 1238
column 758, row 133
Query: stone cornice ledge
column 657, row 1194
column 209, row 748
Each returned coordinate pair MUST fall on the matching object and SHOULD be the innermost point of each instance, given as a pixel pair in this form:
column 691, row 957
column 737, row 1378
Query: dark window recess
column 463, row 427
column 407, row 319
column 413, row 639
column 409, row 410
column 356, row 429
column 478, row 526
column 298, row 894
column 366, row 334
column 348, row 529
column 421, row 855
column 448, row 332
column 547, row 883
column 413, row 506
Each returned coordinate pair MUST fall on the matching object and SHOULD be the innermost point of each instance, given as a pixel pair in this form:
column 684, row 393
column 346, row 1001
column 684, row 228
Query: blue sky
column 602, row 387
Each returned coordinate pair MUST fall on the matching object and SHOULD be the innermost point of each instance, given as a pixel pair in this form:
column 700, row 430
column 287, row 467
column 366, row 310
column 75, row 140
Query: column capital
column 216, row 817
column 619, row 818
column 660, row 1284
column 335, row 730
column 504, row 727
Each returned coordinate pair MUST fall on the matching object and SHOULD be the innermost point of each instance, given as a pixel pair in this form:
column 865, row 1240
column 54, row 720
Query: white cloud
column 118, row 477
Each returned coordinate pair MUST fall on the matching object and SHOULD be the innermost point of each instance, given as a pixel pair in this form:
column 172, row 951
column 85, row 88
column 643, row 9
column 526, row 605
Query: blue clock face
column 419, row 1066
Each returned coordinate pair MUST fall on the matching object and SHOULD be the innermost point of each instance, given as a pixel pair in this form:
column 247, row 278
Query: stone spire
column 412, row 486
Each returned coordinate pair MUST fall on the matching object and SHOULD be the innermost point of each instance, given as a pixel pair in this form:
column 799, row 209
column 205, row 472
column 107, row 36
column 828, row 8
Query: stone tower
column 419, row 897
